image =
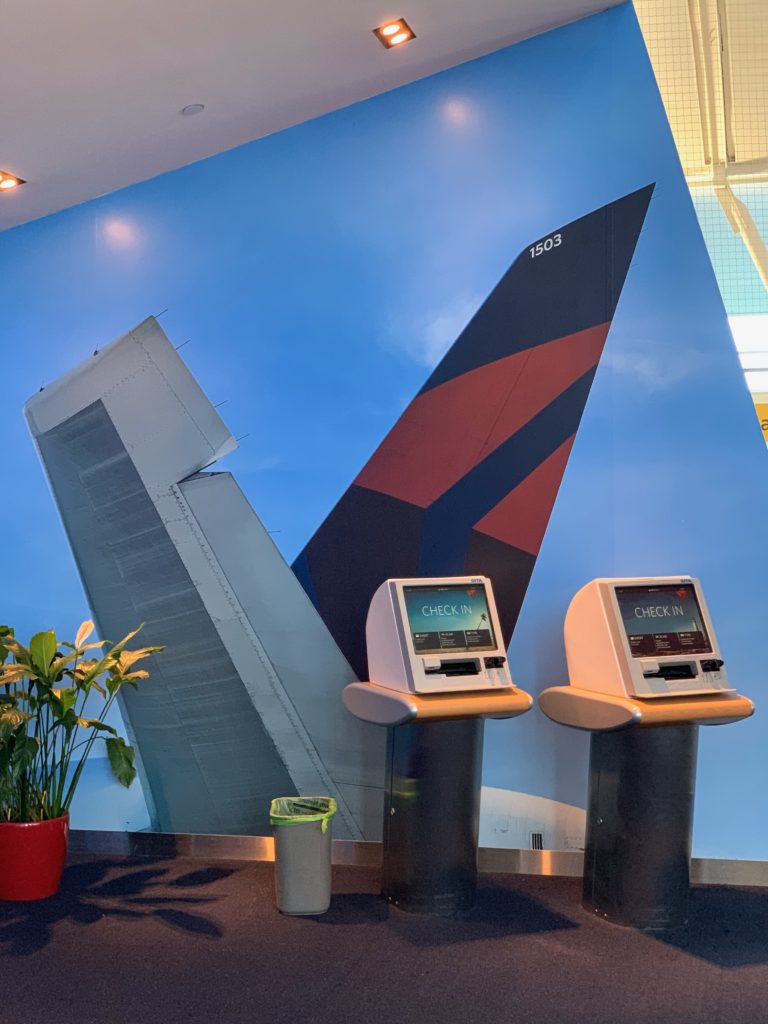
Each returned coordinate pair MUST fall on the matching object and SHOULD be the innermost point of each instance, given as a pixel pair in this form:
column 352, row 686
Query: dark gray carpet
column 182, row 942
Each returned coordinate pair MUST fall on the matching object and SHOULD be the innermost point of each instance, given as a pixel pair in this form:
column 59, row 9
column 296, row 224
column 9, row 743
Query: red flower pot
column 32, row 858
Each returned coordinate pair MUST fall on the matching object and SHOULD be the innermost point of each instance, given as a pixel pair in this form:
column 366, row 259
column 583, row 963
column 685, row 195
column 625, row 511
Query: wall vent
column 537, row 840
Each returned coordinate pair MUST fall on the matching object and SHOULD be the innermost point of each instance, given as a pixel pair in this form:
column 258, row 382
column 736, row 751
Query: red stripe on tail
column 448, row 430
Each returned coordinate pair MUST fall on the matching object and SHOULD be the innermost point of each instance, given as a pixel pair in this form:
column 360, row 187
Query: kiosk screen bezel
column 660, row 643
column 446, row 638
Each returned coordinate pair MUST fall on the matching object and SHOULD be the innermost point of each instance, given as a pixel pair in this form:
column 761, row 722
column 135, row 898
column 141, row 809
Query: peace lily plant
column 53, row 705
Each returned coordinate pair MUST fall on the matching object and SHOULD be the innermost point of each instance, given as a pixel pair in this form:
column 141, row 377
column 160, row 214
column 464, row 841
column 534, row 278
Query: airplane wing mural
column 467, row 478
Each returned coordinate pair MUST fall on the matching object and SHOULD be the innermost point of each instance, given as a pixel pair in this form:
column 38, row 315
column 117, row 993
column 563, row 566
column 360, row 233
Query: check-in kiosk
column 438, row 668
column 645, row 671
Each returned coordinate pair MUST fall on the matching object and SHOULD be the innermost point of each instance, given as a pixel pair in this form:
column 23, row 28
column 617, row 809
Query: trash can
column 302, row 831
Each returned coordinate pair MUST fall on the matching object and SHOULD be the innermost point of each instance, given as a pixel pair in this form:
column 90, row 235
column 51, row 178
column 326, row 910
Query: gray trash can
column 302, row 829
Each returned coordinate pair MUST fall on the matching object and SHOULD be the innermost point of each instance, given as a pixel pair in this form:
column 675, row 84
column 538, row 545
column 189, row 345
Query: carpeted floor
column 182, row 942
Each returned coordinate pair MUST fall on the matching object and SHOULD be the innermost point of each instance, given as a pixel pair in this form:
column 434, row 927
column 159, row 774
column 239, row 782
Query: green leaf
column 60, row 664
column 128, row 658
column 121, row 757
column 69, row 721
column 24, row 753
column 42, row 648
column 83, row 633
column 20, row 653
column 13, row 672
column 94, row 723
column 129, row 636
column 87, row 671
column 5, row 631
column 66, row 698
column 10, row 719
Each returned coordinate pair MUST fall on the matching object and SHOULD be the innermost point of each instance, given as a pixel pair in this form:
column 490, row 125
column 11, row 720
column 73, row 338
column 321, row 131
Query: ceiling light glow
column 394, row 33
column 121, row 232
column 9, row 181
column 457, row 112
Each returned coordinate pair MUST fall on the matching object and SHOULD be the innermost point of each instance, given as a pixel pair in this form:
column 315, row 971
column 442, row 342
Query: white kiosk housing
column 643, row 637
column 431, row 636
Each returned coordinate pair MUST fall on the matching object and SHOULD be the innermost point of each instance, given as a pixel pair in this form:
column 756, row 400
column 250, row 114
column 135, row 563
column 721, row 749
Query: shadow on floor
column 726, row 927
column 96, row 889
column 498, row 913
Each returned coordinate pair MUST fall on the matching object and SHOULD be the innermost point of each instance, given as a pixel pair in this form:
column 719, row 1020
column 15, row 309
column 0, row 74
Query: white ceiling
column 91, row 90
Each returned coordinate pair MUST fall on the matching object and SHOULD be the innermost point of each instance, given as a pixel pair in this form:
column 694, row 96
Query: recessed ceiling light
column 193, row 108
column 9, row 181
column 393, row 33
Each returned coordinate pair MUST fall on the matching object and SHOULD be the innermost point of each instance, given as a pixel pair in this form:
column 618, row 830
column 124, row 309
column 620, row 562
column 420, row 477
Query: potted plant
column 52, row 708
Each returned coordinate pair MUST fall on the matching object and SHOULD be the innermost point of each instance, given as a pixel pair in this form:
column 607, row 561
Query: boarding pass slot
column 683, row 670
column 463, row 667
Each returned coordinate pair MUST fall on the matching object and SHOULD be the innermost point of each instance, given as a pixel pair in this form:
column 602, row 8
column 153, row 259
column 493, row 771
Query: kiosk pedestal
column 432, row 815
column 642, row 770
column 432, row 789
column 639, row 817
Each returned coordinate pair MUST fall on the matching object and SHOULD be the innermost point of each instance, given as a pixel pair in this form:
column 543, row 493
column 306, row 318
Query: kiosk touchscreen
column 644, row 637
column 436, row 636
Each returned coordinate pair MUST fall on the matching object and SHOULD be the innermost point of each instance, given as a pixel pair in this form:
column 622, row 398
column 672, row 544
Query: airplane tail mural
column 464, row 482
column 467, row 478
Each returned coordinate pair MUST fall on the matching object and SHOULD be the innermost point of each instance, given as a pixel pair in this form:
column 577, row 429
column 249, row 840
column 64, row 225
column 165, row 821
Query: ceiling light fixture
column 192, row 108
column 394, row 33
column 9, row 181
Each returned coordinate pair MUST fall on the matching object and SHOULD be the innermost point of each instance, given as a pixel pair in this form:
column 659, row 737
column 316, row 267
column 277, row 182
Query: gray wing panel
column 270, row 616
column 245, row 702
column 209, row 762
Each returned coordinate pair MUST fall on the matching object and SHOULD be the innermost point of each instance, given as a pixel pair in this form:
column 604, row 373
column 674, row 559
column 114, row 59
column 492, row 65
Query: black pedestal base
column 432, row 815
column 638, row 846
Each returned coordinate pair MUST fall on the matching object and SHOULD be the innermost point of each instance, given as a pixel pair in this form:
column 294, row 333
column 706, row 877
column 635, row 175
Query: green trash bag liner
column 297, row 810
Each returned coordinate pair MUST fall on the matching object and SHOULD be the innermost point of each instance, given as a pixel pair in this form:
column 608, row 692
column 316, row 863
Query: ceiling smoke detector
column 192, row 108
column 394, row 33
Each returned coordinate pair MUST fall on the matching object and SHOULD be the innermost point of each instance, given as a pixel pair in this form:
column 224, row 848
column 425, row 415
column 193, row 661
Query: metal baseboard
column 492, row 860
column 208, row 847
column 568, row 863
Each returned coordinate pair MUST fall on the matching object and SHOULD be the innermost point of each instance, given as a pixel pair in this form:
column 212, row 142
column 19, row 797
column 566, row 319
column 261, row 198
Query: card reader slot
column 471, row 667
column 684, row 671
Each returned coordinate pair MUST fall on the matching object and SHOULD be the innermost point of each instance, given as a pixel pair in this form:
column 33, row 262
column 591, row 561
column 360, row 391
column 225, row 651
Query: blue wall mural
column 321, row 273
